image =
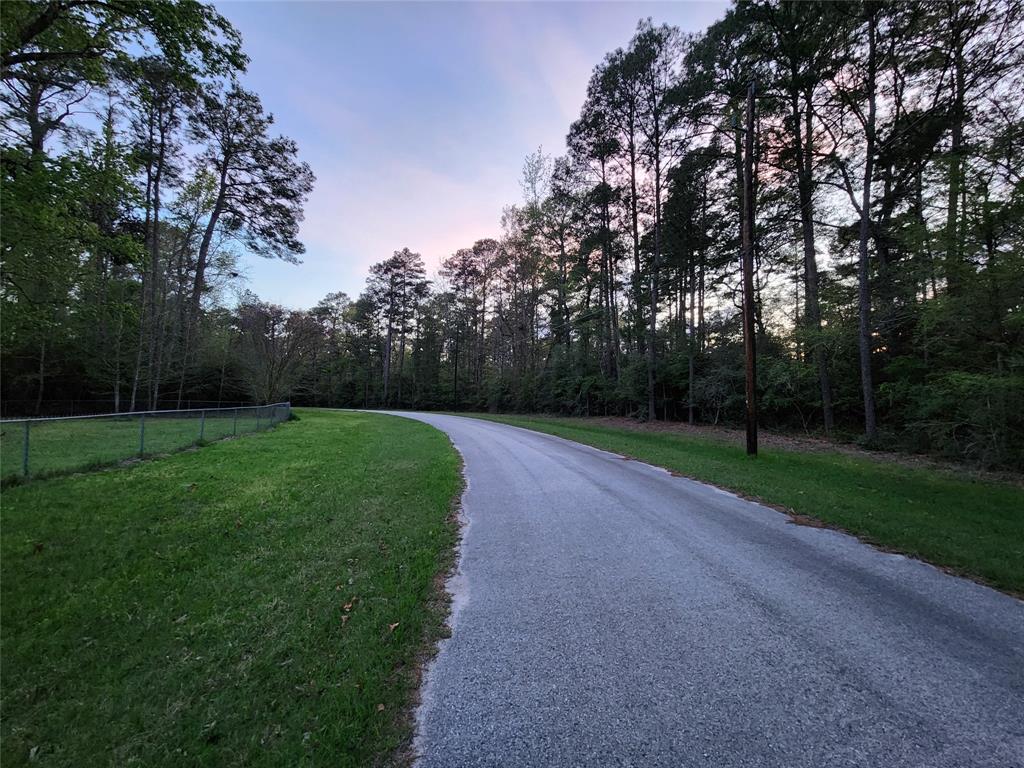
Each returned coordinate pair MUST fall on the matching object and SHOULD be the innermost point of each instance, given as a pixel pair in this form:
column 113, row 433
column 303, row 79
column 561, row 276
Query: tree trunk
column 955, row 268
column 386, row 372
column 655, row 264
column 154, row 251
column 691, row 343
column 804, row 145
column 863, row 266
column 748, row 277
column 137, row 368
column 200, row 276
column 638, row 293
column 605, row 292
column 401, row 365
column 42, row 377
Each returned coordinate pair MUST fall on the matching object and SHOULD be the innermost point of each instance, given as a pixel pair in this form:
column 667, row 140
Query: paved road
column 609, row 614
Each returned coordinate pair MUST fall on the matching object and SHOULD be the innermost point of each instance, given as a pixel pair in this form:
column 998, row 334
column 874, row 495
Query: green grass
column 191, row 610
column 971, row 526
column 65, row 445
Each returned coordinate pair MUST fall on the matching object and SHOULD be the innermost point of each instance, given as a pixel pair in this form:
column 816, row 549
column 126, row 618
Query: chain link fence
column 40, row 447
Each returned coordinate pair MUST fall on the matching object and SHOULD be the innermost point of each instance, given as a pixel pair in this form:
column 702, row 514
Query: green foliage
column 116, row 245
column 62, row 218
column 961, row 414
column 788, row 388
column 115, row 258
column 191, row 34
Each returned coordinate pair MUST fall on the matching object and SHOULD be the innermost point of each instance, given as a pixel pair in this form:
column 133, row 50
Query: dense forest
column 888, row 221
column 136, row 171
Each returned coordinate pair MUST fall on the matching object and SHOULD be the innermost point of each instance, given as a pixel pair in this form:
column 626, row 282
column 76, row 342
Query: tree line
column 889, row 270
column 135, row 169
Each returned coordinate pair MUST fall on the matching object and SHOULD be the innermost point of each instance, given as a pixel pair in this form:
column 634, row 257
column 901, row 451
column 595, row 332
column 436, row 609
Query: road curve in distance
column 610, row 614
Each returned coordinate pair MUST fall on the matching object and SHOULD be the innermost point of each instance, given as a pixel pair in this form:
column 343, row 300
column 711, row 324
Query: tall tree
column 396, row 285
column 658, row 51
column 260, row 185
column 803, row 38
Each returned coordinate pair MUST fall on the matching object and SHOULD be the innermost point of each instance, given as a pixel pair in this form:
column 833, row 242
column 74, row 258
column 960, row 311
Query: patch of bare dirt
column 811, row 522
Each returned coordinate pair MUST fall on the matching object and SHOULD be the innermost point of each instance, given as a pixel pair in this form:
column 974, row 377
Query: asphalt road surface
column 607, row 613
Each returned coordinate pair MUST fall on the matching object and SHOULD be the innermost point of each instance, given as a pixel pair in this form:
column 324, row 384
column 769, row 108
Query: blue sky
column 416, row 117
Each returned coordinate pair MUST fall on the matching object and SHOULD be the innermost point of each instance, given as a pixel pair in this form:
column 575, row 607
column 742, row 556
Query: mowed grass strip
column 260, row 602
column 971, row 526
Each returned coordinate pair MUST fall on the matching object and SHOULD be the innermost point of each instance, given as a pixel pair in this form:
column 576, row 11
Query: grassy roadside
column 262, row 601
column 973, row 527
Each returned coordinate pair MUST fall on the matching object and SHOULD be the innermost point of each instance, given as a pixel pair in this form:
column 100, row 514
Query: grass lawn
column 64, row 445
column 971, row 526
column 260, row 602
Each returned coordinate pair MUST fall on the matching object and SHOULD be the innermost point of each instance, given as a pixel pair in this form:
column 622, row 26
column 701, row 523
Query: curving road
column 609, row 614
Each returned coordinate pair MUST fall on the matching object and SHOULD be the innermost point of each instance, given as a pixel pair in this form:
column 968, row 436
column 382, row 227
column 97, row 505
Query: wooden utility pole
column 747, row 218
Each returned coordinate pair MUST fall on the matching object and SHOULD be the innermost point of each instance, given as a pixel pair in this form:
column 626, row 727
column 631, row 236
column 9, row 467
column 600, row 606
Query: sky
column 416, row 117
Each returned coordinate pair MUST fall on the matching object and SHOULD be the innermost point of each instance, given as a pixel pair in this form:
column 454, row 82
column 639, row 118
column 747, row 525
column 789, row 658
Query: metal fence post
column 24, row 452
column 257, row 418
column 234, row 424
column 142, row 435
column 202, row 425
